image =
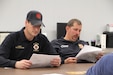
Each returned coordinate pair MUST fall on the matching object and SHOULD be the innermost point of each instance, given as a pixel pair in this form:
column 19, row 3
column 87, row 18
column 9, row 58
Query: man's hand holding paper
column 90, row 53
column 41, row 60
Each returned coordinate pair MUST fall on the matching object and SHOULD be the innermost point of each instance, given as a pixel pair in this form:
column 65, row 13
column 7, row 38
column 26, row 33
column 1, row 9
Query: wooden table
column 65, row 69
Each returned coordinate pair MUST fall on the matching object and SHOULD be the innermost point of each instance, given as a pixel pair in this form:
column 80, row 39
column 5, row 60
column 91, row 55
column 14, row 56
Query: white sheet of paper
column 88, row 53
column 41, row 60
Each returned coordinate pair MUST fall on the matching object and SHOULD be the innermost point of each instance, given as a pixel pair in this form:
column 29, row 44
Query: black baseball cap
column 35, row 17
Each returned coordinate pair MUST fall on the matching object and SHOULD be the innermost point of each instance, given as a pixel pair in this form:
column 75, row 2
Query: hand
column 23, row 64
column 56, row 61
column 99, row 55
column 70, row 60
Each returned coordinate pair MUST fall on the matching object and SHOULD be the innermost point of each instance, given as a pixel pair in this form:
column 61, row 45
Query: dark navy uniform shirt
column 16, row 47
column 67, row 48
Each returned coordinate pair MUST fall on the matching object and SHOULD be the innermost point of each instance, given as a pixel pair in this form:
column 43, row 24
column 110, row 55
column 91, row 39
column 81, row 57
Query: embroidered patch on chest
column 64, row 46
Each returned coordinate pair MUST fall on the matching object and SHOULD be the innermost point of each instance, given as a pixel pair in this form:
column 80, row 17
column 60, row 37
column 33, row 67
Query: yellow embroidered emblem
column 19, row 47
column 80, row 46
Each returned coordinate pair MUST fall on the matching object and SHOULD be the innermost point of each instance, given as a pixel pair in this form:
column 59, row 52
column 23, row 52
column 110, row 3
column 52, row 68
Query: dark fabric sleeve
column 5, row 50
column 47, row 47
column 56, row 47
column 83, row 42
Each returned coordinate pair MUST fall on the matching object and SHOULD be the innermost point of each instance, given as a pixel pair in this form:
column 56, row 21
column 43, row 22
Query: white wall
column 94, row 14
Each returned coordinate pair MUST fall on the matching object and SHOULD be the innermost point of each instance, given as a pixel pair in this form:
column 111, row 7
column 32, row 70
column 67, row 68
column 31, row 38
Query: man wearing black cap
column 18, row 47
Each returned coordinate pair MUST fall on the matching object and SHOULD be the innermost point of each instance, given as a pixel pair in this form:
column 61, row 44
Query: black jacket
column 16, row 47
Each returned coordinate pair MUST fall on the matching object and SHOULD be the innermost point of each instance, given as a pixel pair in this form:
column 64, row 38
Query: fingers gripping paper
column 41, row 60
column 89, row 53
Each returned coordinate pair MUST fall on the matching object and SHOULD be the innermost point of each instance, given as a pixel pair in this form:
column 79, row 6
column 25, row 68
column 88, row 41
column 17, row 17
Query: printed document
column 41, row 60
column 89, row 53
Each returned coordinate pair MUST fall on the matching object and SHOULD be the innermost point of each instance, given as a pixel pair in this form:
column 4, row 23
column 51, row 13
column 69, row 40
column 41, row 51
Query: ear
column 67, row 28
column 26, row 22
